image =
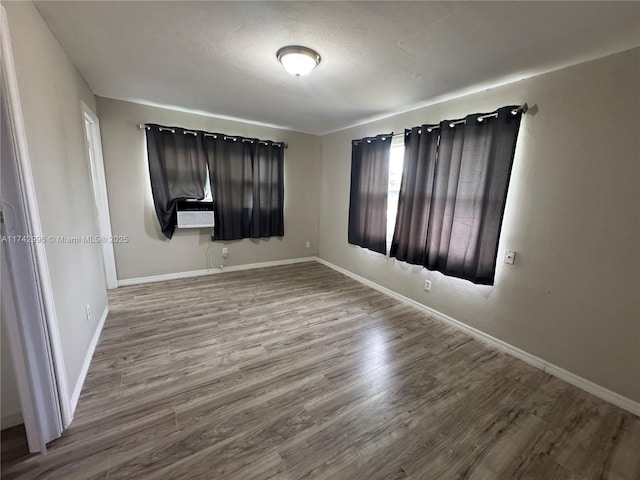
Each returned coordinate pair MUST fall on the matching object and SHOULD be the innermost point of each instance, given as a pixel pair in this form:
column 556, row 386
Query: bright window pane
column 396, row 163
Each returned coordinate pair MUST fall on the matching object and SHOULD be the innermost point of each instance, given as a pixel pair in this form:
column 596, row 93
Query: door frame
column 27, row 188
column 35, row 440
column 93, row 146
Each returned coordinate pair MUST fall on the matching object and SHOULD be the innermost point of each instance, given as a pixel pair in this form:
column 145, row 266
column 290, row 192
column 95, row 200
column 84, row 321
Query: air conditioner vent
column 195, row 215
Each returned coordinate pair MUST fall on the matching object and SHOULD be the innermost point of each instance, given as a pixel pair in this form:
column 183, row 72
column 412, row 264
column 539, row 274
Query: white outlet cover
column 509, row 257
column 427, row 285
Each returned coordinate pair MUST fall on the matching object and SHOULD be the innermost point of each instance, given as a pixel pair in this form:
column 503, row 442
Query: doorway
column 99, row 187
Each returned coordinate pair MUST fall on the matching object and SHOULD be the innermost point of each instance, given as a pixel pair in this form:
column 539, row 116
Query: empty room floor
column 300, row 372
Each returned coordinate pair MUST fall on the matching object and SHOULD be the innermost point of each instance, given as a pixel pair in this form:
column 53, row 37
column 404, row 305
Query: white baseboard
column 572, row 378
column 210, row 271
column 73, row 401
column 11, row 419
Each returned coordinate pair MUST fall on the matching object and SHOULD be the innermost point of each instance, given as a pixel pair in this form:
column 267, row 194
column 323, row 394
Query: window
column 396, row 162
column 207, row 191
column 244, row 177
column 453, row 178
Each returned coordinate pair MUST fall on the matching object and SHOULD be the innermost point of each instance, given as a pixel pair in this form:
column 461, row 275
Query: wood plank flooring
column 299, row 372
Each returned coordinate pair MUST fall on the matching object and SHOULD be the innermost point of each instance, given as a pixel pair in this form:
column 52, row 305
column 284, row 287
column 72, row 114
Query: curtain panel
column 177, row 169
column 231, row 177
column 466, row 187
column 368, row 197
column 416, row 189
column 470, row 192
column 268, row 191
column 247, row 185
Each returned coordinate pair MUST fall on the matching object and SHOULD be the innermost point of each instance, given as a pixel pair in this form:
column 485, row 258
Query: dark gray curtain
column 247, row 185
column 369, row 186
column 230, row 171
column 410, row 234
column 268, row 190
column 178, row 169
column 470, row 184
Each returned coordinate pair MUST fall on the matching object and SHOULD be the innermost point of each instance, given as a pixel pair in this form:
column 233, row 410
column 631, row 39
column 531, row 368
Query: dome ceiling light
column 298, row 60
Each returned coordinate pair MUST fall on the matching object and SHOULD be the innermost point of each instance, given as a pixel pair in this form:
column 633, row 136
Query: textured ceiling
column 378, row 58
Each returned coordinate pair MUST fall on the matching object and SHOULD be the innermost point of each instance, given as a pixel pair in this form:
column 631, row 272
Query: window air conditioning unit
column 195, row 214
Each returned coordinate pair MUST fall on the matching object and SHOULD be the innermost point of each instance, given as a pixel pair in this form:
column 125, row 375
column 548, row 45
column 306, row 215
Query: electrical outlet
column 509, row 257
column 87, row 310
column 427, row 285
column 225, row 252
column 308, row 244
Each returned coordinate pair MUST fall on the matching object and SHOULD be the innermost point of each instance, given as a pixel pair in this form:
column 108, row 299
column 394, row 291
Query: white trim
column 33, row 218
column 572, row 378
column 19, row 357
column 93, row 148
column 11, row 419
column 211, row 271
column 87, row 361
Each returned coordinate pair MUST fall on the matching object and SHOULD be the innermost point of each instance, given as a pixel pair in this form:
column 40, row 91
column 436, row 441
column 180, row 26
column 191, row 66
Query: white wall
column 51, row 90
column 148, row 252
column 572, row 214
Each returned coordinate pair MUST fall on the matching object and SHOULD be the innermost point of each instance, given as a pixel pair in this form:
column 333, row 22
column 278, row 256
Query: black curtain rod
column 382, row 136
column 144, row 126
column 523, row 108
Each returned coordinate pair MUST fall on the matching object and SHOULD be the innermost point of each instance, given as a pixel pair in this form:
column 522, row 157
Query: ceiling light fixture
column 298, row 60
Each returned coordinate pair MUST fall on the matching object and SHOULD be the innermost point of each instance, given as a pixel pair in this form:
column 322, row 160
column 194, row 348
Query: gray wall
column 51, row 90
column 148, row 252
column 572, row 214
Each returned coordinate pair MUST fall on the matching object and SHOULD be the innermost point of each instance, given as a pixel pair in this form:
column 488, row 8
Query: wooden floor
column 299, row 372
